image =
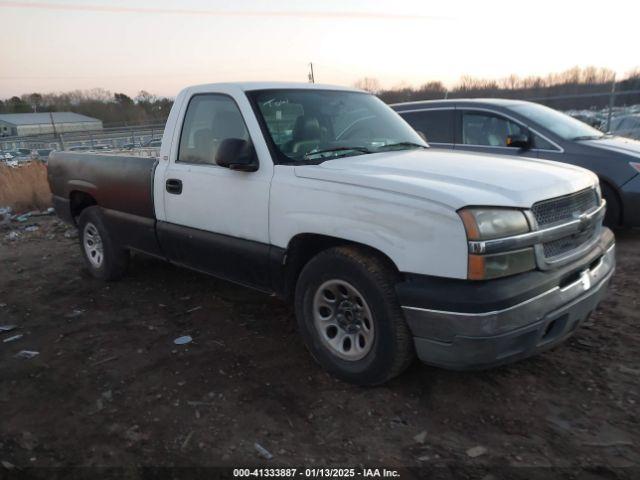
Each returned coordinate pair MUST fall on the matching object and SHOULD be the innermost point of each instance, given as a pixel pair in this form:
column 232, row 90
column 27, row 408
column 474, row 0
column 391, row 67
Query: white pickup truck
column 325, row 196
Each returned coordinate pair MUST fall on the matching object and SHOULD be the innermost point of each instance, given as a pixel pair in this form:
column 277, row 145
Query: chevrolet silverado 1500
column 325, row 196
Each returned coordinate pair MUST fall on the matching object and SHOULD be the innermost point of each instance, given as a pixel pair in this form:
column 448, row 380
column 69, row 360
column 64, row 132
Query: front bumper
column 478, row 337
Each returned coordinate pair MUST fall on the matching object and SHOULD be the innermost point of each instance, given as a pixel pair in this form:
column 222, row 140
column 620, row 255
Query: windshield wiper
column 588, row 137
column 308, row 155
column 400, row 144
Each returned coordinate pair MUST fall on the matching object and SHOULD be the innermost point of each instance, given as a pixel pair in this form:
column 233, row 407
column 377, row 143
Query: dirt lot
column 110, row 387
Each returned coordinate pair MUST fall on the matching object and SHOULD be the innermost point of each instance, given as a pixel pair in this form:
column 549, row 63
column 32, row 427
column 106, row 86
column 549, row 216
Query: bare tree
column 368, row 84
column 35, row 100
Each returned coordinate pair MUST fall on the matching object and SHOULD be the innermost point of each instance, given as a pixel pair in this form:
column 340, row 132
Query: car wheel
column 349, row 316
column 103, row 257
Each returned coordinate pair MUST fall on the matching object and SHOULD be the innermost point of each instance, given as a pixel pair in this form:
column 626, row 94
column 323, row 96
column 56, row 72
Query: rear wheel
column 103, row 257
column 349, row 316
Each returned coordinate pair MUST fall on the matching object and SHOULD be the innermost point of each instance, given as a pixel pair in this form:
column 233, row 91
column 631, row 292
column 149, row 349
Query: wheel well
column 303, row 247
column 79, row 201
column 614, row 191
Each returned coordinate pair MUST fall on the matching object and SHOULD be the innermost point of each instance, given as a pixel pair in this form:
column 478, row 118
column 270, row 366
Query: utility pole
column 612, row 99
column 311, row 77
column 55, row 134
column 53, row 124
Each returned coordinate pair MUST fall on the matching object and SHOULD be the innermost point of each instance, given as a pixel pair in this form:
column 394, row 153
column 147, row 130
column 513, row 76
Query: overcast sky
column 163, row 45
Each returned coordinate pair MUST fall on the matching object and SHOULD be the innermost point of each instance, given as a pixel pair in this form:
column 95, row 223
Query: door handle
column 174, row 186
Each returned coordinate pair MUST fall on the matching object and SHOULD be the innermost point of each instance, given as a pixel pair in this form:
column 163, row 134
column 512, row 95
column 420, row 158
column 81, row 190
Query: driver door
column 216, row 219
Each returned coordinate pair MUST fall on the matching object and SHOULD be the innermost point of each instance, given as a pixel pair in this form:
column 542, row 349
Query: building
column 22, row 124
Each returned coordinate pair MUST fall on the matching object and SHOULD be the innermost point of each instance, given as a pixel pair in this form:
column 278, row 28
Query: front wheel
column 349, row 316
column 103, row 257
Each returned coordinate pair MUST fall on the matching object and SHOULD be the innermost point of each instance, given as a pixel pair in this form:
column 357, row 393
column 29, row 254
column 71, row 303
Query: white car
column 325, row 196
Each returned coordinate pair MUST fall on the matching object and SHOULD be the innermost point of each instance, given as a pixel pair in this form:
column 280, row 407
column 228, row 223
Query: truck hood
column 626, row 146
column 455, row 179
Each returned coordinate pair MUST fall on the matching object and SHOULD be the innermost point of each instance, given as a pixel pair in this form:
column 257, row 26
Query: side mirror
column 237, row 154
column 521, row 140
column 422, row 135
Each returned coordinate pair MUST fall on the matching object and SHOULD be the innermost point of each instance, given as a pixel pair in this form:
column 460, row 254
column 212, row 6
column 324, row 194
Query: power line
column 223, row 13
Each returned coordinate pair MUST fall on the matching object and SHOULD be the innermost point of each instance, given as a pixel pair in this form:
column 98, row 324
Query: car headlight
column 485, row 267
column 489, row 223
column 493, row 223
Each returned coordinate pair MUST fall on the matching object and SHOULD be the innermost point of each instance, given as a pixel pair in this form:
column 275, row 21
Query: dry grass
column 24, row 188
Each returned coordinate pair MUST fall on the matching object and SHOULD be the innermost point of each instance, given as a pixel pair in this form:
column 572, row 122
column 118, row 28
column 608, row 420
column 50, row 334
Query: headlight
column 492, row 223
column 485, row 267
column 489, row 223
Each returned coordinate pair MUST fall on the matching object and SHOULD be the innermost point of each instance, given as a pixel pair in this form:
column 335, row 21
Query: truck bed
column 117, row 182
column 122, row 185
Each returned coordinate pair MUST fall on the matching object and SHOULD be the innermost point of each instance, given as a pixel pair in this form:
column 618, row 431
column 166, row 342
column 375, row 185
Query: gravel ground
column 110, row 388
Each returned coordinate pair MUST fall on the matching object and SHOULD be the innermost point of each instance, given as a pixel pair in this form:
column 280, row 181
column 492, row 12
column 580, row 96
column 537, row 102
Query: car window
column 437, row 125
column 556, row 122
column 487, row 129
column 210, row 119
column 311, row 125
column 542, row 143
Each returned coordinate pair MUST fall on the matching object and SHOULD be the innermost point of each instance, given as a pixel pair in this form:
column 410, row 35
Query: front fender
column 418, row 236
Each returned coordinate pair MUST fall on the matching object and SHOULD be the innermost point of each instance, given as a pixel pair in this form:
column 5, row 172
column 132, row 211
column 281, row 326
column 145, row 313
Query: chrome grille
column 567, row 244
column 566, row 208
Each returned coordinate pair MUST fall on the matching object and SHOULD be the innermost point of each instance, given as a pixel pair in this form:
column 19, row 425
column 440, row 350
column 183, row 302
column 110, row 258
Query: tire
column 612, row 216
column 104, row 259
column 380, row 347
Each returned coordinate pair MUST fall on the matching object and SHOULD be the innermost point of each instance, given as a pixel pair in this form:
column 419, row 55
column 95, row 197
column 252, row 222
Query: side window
column 437, row 125
column 210, row 119
column 542, row 144
column 489, row 129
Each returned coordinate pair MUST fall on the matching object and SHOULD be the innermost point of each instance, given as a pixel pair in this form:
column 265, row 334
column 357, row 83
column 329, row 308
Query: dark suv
column 525, row 129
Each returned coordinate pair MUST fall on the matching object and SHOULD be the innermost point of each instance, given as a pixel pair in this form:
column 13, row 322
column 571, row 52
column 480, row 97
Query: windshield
column 559, row 123
column 308, row 125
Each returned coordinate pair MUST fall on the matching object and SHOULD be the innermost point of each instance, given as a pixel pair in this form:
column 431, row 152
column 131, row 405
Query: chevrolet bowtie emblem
column 584, row 222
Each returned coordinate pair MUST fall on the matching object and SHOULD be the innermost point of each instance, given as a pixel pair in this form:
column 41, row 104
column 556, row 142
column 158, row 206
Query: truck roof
column 502, row 102
column 249, row 86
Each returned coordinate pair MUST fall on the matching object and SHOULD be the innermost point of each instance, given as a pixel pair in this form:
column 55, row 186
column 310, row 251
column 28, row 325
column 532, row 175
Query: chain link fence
column 601, row 110
column 113, row 138
column 606, row 111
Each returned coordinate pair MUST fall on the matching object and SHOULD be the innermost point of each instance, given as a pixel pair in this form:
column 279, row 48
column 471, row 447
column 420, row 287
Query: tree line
column 572, row 83
column 115, row 109
column 118, row 109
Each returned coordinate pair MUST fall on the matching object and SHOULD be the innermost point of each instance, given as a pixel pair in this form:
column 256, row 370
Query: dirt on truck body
column 109, row 387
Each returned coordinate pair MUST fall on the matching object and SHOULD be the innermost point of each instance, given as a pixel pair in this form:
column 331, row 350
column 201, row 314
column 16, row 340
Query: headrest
column 306, row 128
